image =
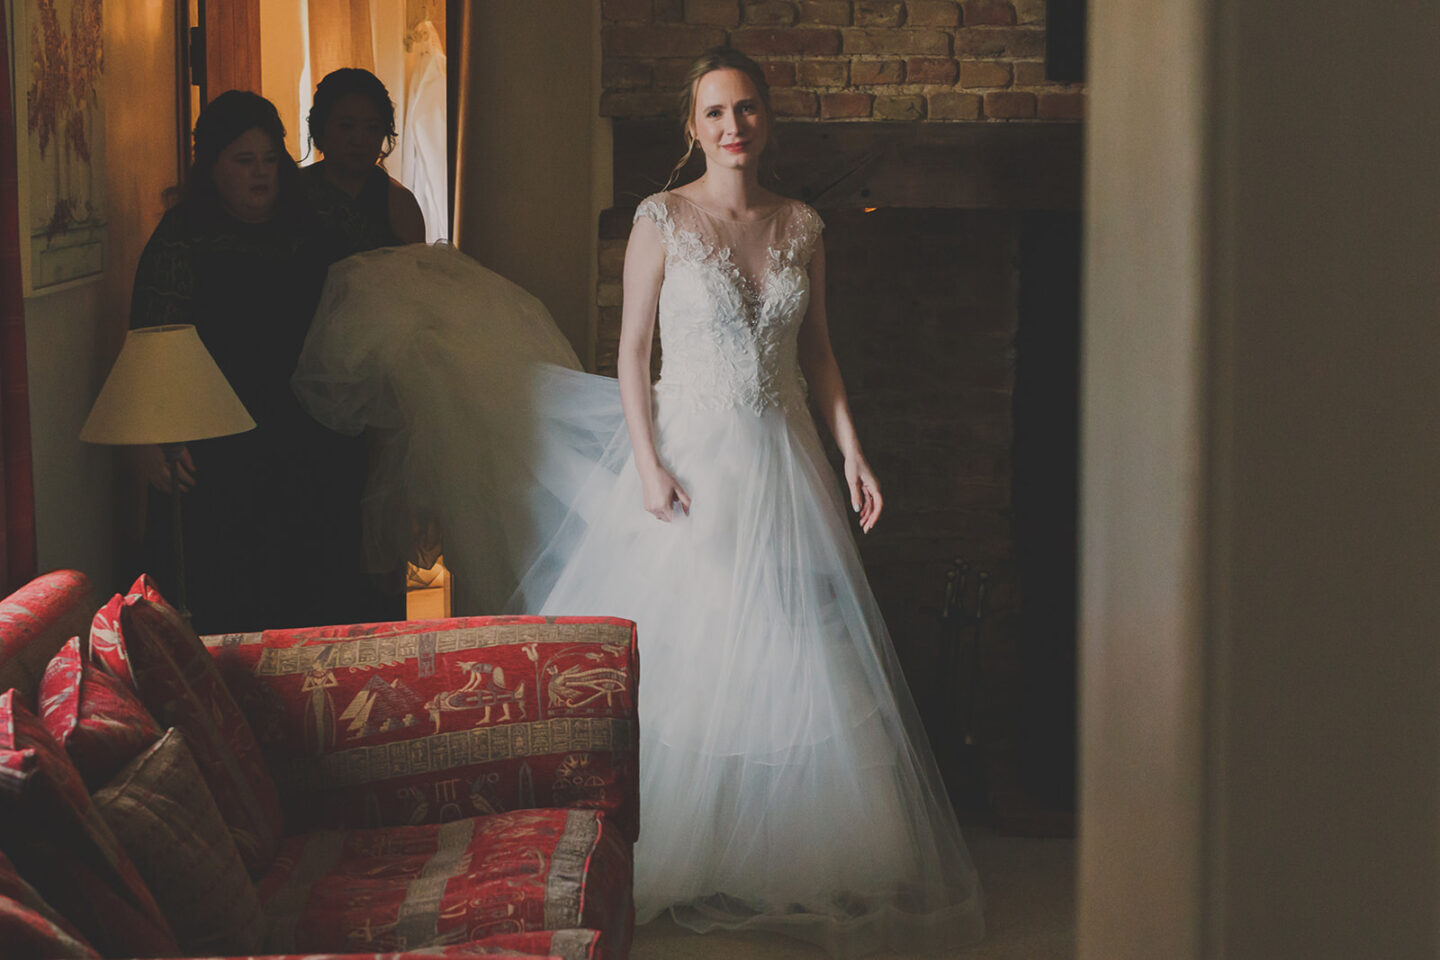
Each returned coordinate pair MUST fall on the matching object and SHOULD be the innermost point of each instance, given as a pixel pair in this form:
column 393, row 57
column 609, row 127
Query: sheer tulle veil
column 786, row 782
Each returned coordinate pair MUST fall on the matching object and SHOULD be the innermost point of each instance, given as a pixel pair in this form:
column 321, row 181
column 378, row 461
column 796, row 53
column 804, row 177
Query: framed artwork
column 59, row 86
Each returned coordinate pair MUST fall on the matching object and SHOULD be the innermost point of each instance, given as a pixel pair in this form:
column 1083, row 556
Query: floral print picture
column 59, row 71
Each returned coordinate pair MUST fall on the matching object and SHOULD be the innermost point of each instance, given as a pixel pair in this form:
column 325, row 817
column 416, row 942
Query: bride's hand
column 865, row 496
column 661, row 493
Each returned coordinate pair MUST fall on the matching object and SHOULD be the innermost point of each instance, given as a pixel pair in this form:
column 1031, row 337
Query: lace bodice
column 731, row 303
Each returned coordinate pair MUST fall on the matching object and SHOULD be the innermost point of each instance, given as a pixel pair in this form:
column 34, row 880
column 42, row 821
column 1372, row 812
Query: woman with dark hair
column 272, row 516
column 352, row 123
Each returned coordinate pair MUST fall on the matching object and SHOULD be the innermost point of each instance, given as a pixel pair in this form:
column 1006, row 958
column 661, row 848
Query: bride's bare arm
column 644, row 272
column 827, row 390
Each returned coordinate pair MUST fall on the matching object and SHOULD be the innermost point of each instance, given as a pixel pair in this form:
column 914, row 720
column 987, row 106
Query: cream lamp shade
column 164, row 388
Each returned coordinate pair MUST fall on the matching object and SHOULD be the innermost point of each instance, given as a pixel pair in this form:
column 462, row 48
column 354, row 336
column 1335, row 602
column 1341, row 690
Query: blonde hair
column 716, row 58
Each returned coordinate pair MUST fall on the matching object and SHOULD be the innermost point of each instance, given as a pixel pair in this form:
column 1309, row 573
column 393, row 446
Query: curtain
column 340, row 32
column 17, row 524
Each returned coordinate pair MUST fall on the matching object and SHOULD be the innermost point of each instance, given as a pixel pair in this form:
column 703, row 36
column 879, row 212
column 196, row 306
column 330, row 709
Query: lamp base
column 172, row 453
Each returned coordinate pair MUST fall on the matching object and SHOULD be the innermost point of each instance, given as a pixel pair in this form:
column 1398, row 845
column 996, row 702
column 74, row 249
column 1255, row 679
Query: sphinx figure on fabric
column 786, row 782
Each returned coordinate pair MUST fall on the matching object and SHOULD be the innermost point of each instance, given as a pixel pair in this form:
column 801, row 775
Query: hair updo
column 345, row 81
column 716, row 58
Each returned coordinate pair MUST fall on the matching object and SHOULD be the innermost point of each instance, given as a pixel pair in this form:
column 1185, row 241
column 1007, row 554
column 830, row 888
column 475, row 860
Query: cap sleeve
column 804, row 232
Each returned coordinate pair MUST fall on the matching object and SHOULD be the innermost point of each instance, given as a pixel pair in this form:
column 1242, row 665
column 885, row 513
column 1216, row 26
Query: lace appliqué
column 728, row 339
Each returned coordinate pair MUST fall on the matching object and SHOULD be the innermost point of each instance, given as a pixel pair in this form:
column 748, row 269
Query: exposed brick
column 1029, row 11
column 1061, row 106
column 996, row 13
column 954, row 106
column 780, row 74
column 849, row 104
column 1031, row 73
column 612, row 259
column 879, row 13
column 771, row 13
column 834, row 13
column 984, row 73
column 900, row 108
column 659, row 41
column 866, row 72
column 824, row 73
column 933, row 70
column 722, row 13
column 670, row 11
column 622, row 74
column 1010, row 105
column 799, row 41
column 991, row 42
column 671, row 74
column 637, row 103
column 790, row 102
column 932, row 13
column 625, row 9
column 880, row 40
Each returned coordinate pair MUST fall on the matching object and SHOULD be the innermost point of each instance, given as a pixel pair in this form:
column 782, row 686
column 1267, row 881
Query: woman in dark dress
column 352, row 123
column 272, row 516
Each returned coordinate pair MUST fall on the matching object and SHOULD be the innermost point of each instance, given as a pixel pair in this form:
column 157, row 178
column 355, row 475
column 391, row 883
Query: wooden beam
column 967, row 166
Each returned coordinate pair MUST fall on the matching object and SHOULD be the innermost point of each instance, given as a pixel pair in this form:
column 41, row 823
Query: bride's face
column 730, row 122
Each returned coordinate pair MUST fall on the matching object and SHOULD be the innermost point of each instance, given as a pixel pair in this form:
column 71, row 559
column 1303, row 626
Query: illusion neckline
column 710, row 213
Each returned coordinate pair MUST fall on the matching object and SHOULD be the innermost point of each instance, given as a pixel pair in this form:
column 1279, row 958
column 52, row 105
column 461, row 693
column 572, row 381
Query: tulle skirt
column 786, row 783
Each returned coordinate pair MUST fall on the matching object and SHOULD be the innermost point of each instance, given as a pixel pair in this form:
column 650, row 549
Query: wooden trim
column 232, row 45
column 1143, row 520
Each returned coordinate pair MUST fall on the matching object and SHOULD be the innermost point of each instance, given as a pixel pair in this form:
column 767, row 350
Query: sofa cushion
column 30, row 927
column 56, row 838
column 426, row 721
column 141, row 639
column 163, row 815
column 97, row 718
column 540, row 945
column 408, row 888
column 34, row 621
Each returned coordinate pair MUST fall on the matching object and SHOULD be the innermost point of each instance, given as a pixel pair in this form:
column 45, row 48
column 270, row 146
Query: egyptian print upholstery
column 429, row 721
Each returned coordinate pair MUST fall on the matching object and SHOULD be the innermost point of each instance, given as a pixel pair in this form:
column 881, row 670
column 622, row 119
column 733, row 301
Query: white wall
column 533, row 171
column 1261, row 545
column 84, row 512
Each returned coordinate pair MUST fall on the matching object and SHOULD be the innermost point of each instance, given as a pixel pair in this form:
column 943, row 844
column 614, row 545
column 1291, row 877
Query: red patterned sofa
column 419, row 789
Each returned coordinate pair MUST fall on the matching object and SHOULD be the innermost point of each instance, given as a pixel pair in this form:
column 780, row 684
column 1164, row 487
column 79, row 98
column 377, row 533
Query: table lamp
column 166, row 389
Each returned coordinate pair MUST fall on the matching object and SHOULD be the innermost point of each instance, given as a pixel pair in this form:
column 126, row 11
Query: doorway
column 282, row 48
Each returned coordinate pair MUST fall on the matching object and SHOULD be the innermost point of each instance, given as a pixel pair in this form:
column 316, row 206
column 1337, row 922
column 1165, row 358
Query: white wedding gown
column 786, row 783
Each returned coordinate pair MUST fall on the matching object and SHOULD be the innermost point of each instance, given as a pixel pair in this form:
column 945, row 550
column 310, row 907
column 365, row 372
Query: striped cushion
column 409, row 888
column 51, row 830
column 141, row 639
column 163, row 815
column 30, row 927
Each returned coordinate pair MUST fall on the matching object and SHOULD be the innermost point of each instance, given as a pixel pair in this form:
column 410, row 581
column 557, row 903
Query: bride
column 786, row 782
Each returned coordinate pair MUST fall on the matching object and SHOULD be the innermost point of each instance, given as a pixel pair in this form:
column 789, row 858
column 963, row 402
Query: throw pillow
column 56, row 838
column 141, row 639
column 96, row 717
column 30, row 927
column 164, row 816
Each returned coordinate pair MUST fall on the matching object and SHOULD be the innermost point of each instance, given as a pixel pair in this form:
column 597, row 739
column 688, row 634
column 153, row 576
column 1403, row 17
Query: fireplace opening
column 953, row 254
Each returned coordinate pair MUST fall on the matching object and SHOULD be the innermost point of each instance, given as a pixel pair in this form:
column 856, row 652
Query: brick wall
column 933, row 60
